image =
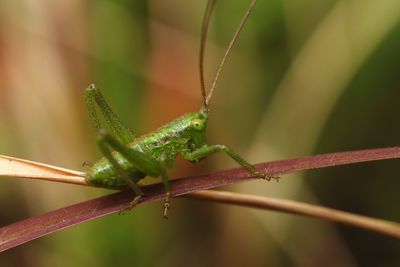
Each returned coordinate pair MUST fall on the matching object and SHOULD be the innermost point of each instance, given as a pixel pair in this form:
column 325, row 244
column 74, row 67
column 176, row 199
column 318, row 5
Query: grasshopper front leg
column 139, row 160
column 207, row 150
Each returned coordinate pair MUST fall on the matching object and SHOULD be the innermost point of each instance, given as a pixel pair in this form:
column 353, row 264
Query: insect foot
column 87, row 163
column 266, row 176
column 133, row 203
column 167, row 205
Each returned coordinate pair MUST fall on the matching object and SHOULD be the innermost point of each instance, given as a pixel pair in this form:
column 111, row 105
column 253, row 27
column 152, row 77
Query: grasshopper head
column 198, row 125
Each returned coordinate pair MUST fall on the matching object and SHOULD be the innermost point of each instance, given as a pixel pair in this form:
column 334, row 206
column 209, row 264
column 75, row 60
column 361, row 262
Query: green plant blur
column 306, row 77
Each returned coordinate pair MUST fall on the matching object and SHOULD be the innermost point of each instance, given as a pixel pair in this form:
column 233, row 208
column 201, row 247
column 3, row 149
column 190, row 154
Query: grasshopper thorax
column 185, row 133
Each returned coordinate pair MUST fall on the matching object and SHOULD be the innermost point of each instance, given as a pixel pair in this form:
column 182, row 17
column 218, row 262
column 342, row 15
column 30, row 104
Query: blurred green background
column 306, row 77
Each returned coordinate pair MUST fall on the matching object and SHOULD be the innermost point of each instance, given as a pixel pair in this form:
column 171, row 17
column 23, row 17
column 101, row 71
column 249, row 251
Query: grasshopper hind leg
column 93, row 96
column 142, row 162
column 103, row 144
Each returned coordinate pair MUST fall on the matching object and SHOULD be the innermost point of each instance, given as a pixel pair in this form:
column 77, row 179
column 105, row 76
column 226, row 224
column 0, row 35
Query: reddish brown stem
column 32, row 228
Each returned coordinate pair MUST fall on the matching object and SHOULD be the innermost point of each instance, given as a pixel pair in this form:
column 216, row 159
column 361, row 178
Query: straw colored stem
column 294, row 207
column 21, row 168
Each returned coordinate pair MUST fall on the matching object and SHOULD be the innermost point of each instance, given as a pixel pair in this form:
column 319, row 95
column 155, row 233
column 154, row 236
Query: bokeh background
column 306, row 77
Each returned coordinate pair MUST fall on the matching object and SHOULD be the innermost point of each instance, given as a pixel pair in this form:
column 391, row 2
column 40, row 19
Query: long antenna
column 232, row 42
column 203, row 38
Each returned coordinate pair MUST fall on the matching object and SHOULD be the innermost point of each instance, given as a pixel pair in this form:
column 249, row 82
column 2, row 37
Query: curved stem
column 294, row 207
column 35, row 227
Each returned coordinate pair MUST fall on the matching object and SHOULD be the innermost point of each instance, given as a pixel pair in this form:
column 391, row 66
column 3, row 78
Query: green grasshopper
column 128, row 159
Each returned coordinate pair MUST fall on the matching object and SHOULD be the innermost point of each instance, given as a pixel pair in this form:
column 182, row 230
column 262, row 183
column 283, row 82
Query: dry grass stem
column 294, row 207
column 21, row 168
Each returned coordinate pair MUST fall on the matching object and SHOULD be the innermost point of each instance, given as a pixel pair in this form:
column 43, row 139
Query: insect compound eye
column 198, row 124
